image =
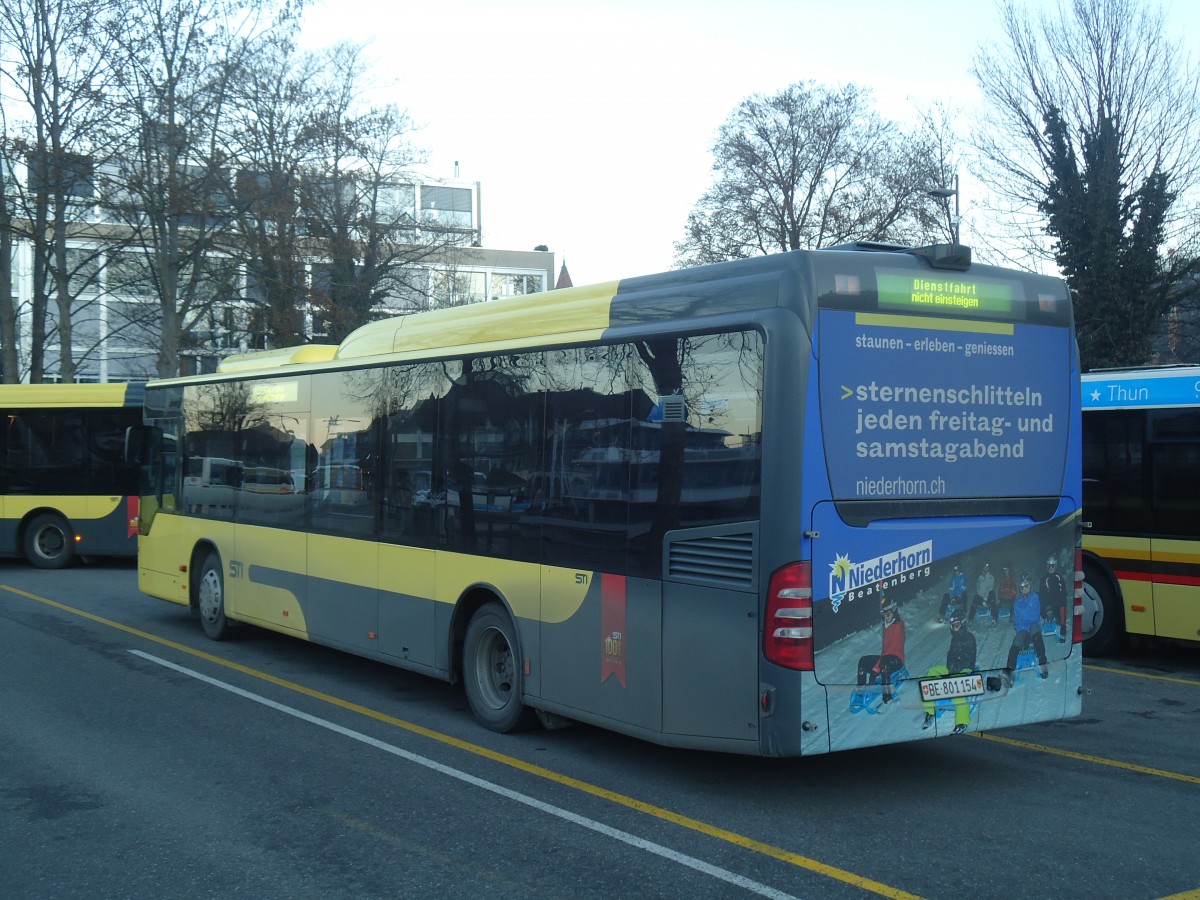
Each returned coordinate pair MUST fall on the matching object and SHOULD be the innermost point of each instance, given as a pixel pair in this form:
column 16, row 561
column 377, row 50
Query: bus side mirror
column 138, row 440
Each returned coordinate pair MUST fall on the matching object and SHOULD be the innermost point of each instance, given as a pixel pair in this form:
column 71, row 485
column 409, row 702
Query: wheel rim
column 1093, row 611
column 495, row 672
column 210, row 595
column 49, row 542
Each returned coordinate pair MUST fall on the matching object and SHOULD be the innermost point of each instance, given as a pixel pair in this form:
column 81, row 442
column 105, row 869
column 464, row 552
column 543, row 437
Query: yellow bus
column 65, row 487
column 697, row 507
column 1141, row 498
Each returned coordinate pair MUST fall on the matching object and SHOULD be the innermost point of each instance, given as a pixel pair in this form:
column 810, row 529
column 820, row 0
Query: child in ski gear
column 891, row 658
column 960, row 659
column 1006, row 594
column 1027, row 620
column 956, row 592
column 1054, row 598
column 985, row 592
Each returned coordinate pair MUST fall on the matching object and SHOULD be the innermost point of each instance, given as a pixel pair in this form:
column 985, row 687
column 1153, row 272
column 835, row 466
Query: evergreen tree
column 1106, row 242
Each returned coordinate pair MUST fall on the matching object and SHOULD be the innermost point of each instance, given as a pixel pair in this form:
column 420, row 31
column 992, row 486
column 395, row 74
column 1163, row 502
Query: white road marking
column 633, row 840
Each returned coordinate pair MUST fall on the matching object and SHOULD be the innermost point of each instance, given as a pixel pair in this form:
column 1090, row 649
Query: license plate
column 954, row 686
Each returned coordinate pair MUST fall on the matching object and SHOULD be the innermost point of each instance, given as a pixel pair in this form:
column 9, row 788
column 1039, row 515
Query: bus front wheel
column 49, row 542
column 210, row 599
column 492, row 672
column 1103, row 615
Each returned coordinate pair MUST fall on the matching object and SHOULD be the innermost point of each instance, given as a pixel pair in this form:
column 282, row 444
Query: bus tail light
column 1077, row 618
column 788, row 634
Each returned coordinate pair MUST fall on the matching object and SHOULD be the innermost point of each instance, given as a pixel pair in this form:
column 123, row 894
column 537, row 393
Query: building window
column 69, row 174
column 83, row 270
column 397, row 203
column 456, row 287
column 512, row 284
column 446, row 207
column 128, row 273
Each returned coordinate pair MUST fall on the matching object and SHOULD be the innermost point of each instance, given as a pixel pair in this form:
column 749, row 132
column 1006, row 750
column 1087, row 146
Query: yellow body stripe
column 1128, row 548
column 36, row 396
column 80, row 509
column 932, row 324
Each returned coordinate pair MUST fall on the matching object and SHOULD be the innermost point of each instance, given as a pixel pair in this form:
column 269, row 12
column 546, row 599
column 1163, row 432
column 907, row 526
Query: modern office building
column 116, row 313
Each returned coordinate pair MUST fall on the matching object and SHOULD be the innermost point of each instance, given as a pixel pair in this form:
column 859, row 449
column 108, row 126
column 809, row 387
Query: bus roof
column 34, row 396
column 1142, row 388
column 738, row 289
column 270, row 359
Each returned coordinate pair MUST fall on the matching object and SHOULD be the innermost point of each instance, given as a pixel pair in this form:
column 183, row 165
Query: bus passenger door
column 266, row 576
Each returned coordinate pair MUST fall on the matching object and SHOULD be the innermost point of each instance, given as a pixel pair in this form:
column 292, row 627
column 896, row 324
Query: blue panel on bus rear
column 941, row 469
column 915, row 407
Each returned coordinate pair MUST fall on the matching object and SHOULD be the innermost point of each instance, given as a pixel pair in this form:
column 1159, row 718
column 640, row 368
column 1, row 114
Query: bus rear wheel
column 49, row 542
column 1103, row 615
column 210, row 599
column 492, row 673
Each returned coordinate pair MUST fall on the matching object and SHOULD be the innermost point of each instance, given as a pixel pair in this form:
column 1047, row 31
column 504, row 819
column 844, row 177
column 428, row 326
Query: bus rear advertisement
column 65, row 487
column 781, row 506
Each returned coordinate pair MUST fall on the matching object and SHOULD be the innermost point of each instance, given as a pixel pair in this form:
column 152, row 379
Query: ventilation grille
column 725, row 560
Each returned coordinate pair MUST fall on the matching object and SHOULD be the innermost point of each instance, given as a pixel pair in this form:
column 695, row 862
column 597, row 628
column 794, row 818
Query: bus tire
column 210, row 598
column 1103, row 614
column 49, row 542
column 492, row 673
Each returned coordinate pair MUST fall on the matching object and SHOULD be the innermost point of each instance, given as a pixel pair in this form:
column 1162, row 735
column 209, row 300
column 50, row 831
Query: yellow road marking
column 1141, row 675
column 1186, row 895
column 721, row 834
column 1086, row 757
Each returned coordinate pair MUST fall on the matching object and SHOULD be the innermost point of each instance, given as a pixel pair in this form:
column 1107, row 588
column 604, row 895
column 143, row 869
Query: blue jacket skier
column 1027, row 620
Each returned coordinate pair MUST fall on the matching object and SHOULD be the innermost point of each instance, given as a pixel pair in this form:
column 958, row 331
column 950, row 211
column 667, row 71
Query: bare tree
column 1088, row 143
column 9, row 360
column 357, row 197
column 326, row 218
column 810, row 167
column 62, row 67
column 1092, row 61
column 270, row 137
column 178, row 62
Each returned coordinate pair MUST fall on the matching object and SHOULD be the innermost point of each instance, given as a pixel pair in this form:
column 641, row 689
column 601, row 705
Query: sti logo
column 846, row 576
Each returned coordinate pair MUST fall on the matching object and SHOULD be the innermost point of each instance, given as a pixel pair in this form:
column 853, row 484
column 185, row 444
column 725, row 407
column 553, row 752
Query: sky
column 588, row 123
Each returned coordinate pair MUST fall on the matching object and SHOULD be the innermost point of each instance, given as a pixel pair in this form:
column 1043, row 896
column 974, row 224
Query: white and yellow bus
column 672, row 506
column 1141, row 467
column 65, row 487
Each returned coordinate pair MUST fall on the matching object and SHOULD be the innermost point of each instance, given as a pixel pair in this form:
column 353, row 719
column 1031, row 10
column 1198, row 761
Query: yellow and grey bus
column 1141, row 505
column 690, row 507
column 65, row 487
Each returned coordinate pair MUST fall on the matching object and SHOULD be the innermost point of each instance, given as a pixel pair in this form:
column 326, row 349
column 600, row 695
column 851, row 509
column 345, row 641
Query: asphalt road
column 139, row 760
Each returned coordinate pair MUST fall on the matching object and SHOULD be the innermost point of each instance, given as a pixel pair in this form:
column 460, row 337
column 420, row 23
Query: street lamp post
column 944, row 194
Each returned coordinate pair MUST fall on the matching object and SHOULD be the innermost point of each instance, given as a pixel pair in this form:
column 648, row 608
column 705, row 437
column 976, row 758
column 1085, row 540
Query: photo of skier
column 1006, row 594
column 1054, row 598
column 985, row 593
column 956, row 594
column 960, row 659
column 890, row 659
column 1027, row 620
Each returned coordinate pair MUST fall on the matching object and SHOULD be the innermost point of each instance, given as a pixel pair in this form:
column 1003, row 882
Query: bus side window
column 1175, row 459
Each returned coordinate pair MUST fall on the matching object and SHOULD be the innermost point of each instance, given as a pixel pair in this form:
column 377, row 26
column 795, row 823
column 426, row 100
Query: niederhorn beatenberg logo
column 846, row 577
